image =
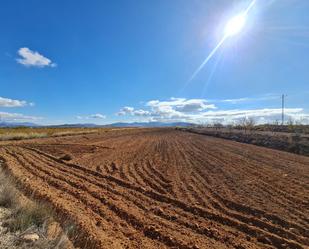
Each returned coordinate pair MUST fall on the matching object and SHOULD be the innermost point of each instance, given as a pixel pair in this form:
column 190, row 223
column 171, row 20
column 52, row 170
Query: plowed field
column 161, row 188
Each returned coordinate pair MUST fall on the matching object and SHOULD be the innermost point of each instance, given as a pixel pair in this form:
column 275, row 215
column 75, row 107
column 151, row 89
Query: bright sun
column 235, row 25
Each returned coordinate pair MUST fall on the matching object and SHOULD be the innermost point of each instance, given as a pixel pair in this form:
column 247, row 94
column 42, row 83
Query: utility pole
column 282, row 117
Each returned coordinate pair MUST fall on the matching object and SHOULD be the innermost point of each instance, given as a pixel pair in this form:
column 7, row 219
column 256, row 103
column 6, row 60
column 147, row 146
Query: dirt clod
column 66, row 157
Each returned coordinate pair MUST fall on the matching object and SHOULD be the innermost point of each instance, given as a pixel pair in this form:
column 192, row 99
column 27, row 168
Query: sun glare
column 235, row 25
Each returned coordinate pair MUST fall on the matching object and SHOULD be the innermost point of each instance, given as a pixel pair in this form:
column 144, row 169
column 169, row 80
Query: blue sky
column 100, row 61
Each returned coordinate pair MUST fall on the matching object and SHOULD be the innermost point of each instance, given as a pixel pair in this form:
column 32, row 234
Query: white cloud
column 31, row 58
column 97, row 116
column 172, row 109
column 141, row 113
column 181, row 105
column 232, row 116
column 201, row 111
column 92, row 116
column 265, row 115
column 6, row 102
column 6, row 116
column 125, row 111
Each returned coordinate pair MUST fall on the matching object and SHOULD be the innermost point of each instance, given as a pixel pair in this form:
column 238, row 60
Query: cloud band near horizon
column 202, row 111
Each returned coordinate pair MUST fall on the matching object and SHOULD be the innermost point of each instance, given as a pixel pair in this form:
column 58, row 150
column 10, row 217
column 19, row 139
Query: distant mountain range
column 119, row 124
column 17, row 124
column 149, row 124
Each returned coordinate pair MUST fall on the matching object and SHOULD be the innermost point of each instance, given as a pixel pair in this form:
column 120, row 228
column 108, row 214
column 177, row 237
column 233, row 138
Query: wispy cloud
column 92, row 116
column 6, row 102
column 31, row 58
column 235, row 101
column 6, row 116
column 249, row 99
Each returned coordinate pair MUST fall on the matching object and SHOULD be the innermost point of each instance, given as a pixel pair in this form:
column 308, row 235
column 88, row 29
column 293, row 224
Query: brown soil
column 161, row 188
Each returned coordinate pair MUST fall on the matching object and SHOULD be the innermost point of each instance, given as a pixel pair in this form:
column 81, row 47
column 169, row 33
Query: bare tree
column 247, row 123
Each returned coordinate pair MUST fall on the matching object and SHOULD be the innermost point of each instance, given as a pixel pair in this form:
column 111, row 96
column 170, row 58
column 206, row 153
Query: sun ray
column 207, row 58
column 250, row 7
column 212, row 72
column 233, row 26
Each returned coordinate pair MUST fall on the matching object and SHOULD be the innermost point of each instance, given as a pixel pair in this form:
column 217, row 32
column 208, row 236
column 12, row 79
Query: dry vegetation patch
column 27, row 224
column 292, row 142
column 20, row 133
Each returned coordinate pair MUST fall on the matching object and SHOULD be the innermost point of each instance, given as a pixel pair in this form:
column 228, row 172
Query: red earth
column 162, row 188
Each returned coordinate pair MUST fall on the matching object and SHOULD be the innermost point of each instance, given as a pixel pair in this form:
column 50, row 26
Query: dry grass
column 20, row 136
column 8, row 197
column 73, row 132
column 8, row 193
column 20, row 133
column 26, row 216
